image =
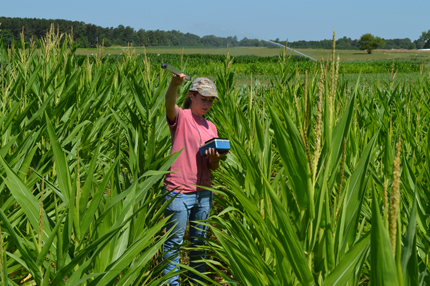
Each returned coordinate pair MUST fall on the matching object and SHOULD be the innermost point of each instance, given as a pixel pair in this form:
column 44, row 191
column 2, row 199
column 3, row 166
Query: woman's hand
column 177, row 79
column 214, row 157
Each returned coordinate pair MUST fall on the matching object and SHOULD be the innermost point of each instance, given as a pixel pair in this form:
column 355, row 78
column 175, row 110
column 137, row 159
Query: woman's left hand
column 213, row 155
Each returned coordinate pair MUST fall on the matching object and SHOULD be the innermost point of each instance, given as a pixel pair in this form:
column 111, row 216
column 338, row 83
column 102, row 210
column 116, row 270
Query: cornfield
column 325, row 184
column 247, row 65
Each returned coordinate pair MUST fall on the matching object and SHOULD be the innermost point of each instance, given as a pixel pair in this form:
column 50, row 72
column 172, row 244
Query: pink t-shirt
column 189, row 132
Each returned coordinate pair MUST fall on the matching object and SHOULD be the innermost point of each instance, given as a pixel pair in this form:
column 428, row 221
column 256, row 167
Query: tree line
column 91, row 36
column 346, row 43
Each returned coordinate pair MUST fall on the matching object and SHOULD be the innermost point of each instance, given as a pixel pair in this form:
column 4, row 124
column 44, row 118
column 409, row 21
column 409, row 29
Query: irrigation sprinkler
column 300, row 53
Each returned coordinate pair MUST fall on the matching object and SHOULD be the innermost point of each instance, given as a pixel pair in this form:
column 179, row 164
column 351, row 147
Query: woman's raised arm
column 171, row 95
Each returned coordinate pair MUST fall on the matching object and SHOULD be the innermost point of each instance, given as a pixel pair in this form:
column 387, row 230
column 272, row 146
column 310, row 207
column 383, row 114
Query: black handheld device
column 173, row 70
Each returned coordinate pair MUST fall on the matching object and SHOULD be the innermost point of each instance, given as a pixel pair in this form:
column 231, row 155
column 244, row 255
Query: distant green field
column 369, row 69
column 239, row 51
column 347, row 55
column 255, row 64
column 368, row 79
column 257, row 69
column 268, row 52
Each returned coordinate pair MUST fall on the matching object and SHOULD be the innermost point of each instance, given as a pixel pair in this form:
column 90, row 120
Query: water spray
column 278, row 44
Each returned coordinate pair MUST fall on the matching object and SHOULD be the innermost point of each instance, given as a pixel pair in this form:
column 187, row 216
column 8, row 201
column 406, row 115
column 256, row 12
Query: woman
column 189, row 130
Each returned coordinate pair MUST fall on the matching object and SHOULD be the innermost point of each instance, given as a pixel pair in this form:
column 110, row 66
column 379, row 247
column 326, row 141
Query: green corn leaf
column 53, row 74
column 63, row 173
column 428, row 153
column 158, row 97
column 383, row 268
column 409, row 254
column 86, row 189
column 341, row 131
column 26, row 164
column 41, row 109
column 246, row 276
column 17, row 85
column 20, row 261
column 47, row 276
column 131, row 274
column 208, row 279
column 85, row 278
column 258, row 129
column 47, row 245
column 151, row 143
column 6, row 147
column 355, row 194
column 122, row 263
column 349, row 263
column 283, row 268
column 131, row 199
column 89, row 214
column 5, row 121
column 25, row 199
column 51, row 186
column 137, row 100
column 25, row 252
column 74, row 278
column 143, row 188
column 288, row 242
column 5, row 282
column 294, row 160
column 29, row 106
column 29, row 83
column 119, row 199
column 95, row 247
column 388, row 156
column 70, row 84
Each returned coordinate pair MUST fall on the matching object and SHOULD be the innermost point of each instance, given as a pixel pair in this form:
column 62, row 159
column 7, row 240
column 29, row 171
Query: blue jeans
column 186, row 206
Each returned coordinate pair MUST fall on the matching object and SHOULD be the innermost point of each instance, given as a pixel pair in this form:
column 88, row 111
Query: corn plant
column 321, row 186
column 83, row 154
column 326, row 182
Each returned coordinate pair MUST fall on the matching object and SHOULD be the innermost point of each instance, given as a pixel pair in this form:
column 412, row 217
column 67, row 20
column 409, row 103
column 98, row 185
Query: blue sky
column 264, row 19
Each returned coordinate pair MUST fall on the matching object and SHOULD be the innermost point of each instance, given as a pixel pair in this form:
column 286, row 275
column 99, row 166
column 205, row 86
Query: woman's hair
column 187, row 101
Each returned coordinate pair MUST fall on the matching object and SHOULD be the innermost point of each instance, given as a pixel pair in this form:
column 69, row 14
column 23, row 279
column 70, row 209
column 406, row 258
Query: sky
column 264, row 19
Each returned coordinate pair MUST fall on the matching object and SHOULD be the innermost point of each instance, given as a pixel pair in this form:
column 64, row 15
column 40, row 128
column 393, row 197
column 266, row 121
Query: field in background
column 262, row 77
column 345, row 55
column 240, row 51
column 353, row 55
column 259, row 66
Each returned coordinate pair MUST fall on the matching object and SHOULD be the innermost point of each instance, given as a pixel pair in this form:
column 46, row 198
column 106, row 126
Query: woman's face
column 200, row 104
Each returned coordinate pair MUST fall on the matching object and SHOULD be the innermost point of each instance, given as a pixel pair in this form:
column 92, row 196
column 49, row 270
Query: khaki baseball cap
column 204, row 86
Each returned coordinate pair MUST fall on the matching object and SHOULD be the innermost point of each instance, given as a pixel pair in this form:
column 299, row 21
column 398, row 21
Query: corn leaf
column 383, row 268
column 349, row 263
